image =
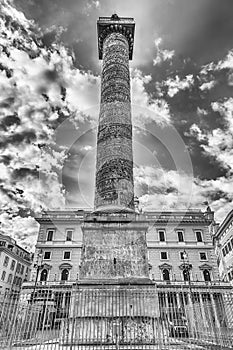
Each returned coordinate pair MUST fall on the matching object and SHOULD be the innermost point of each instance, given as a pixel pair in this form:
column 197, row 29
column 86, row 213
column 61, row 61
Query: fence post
column 73, row 314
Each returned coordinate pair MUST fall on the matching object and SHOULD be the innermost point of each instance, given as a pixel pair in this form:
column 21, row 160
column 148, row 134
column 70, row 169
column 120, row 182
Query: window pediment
column 186, row 266
column 65, row 266
column 165, row 266
column 205, row 267
column 46, row 266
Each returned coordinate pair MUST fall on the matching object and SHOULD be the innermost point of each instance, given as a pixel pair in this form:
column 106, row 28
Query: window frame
column 186, row 275
column 66, row 251
column 166, row 256
column 47, row 251
column 47, row 236
column 206, row 256
column 164, row 232
column 10, row 278
column 72, row 232
column 47, row 275
column 201, row 233
column 181, row 256
column 182, row 232
column 169, row 275
column 6, row 263
column 3, row 275
column 13, row 262
column 210, row 276
column 68, row 275
column 18, row 267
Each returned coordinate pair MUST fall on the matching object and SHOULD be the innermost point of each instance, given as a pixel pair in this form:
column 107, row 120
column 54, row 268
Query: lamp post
column 38, row 266
column 186, row 268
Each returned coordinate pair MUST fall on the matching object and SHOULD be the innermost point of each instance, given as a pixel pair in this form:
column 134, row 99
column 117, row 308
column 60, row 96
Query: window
column 22, row 270
column 224, row 251
column 12, row 265
column 203, row 256
column 47, row 255
column 18, row 267
column 230, row 275
column 9, row 280
column 199, row 236
column 182, row 255
column 229, row 246
column 3, row 275
column 180, row 235
column 69, row 234
column 64, row 275
column 44, row 275
column 166, row 275
column 162, row 236
column 6, row 261
column 186, row 275
column 206, row 275
column 19, row 281
column 66, row 256
column 163, row 256
column 50, row 235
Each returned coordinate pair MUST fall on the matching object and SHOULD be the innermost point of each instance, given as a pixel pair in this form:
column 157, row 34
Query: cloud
column 218, row 143
column 225, row 64
column 208, row 85
column 156, row 110
column 196, row 131
column 176, row 84
column 40, row 89
column 160, row 189
column 162, row 54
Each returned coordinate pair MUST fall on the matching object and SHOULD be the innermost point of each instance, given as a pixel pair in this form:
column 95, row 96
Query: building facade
column 223, row 240
column 15, row 265
column 173, row 240
column 176, row 240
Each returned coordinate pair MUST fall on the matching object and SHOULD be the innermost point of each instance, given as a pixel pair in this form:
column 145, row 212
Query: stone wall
column 113, row 250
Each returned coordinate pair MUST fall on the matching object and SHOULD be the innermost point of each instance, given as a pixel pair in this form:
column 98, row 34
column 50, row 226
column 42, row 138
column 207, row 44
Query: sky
column 182, row 106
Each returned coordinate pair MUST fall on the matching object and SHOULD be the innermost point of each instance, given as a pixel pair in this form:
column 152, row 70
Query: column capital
column 108, row 25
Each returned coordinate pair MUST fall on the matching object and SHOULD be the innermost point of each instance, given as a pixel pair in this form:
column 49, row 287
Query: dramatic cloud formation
column 182, row 88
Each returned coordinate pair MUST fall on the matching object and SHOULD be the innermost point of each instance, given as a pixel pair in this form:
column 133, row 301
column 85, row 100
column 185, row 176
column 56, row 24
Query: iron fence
column 80, row 316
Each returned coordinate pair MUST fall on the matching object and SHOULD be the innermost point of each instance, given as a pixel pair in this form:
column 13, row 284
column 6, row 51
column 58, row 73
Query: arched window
column 206, row 275
column 44, row 275
column 65, row 275
column 186, row 275
column 166, row 275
